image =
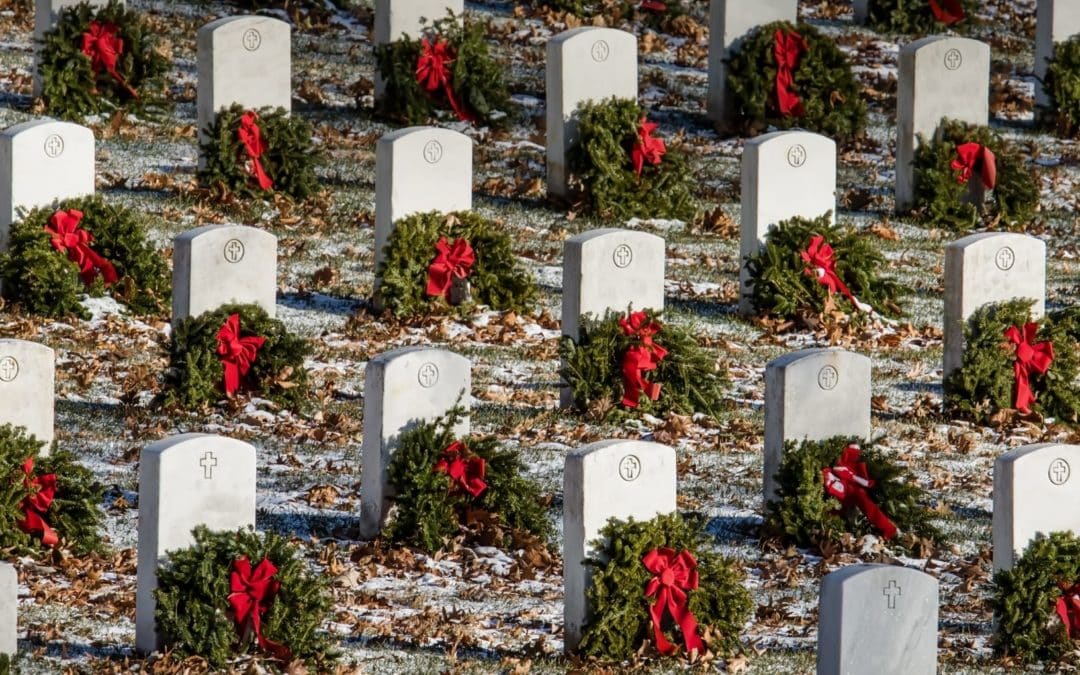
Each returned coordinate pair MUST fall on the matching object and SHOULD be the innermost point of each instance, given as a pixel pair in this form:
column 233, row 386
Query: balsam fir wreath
column 1062, row 85
column 658, row 580
column 786, row 76
column 232, row 594
column 636, row 362
column 445, row 486
column 430, row 257
column 236, row 349
column 960, row 153
column 449, row 68
column 921, row 17
column 56, row 255
column 99, row 60
column 259, row 153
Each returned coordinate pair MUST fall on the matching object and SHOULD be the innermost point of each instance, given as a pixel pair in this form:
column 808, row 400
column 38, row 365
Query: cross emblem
column 234, row 251
column 629, row 468
column 428, row 375
column 54, row 146
column 622, row 256
column 1005, row 258
column 252, row 39
column 796, row 156
column 600, row 51
column 828, row 377
column 208, row 462
column 892, row 591
column 1059, row 471
column 953, row 59
column 432, row 152
column 9, row 369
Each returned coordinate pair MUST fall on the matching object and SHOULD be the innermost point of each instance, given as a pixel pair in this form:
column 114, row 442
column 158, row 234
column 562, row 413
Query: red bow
column 1068, row 608
column 466, row 473
column 252, row 140
column 653, row 6
column 1030, row 357
column 103, row 46
column 787, row 48
column 236, row 353
column 640, row 358
column 849, row 481
column 947, row 12
column 67, row 237
column 972, row 156
column 42, row 492
column 451, row 260
column 432, row 73
column 646, row 148
column 252, row 593
column 821, row 265
column 674, row 574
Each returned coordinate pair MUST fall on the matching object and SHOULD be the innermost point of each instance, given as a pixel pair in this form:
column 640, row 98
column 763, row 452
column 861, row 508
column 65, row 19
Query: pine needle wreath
column 498, row 279
column 69, row 84
column 1062, row 85
column 830, row 96
column 44, row 281
column 602, row 175
column 193, row 612
column 939, row 196
column 619, row 621
column 289, row 159
column 431, row 510
column 915, row 16
column 195, row 376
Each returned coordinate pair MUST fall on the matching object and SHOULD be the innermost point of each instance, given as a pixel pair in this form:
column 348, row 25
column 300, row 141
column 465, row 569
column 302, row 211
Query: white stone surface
column 185, row 481
column 404, row 388
column 46, row 14
column 9, row 609
column 1055, row 21
column 217, row 265
column 583, row 64
column 28, row 388
column 609, row 479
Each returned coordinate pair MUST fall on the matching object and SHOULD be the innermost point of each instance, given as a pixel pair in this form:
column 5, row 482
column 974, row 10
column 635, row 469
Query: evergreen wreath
column 804, row 511
column 684, row 379
column 820, row 92
column 939, row 192
column 256, row 156
column 426, row 252
column 620, row 171
column 197, row 375
column 920, row 17
column 449, row 68
column 1062, row 85
column 197, row 616
column 619, row 608
column 445, row 486
column 100, row 60
column 40, row 272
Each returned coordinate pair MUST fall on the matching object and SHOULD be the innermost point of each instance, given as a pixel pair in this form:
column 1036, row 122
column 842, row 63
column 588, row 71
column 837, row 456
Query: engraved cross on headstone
column 9, row 368
column 953, row 59
column 892, row 591
column 54, row 145
column 208, row 462
column 1059, row 470
column 251, row 40
column 234, row 251
column 623, row 255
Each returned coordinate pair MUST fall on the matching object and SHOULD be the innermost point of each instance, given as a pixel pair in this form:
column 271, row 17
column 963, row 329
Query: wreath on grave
column 960, row 153
column 259, row 153
column 100, row 60
column 659, row 581
column 84, row 245
column 785, row 76
column 435, row 261
column 446, row 486
column 449, row 68
column 240, row 593
column 1062, row 85
column 920, row 17
column 232, row 350
column 826, row 489
column 634, row 361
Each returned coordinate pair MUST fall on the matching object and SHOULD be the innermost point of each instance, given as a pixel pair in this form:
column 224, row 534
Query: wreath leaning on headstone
column 1062, row 86
column 788, row 76
column 920, row 17
column 241, row 593
column 102, row 59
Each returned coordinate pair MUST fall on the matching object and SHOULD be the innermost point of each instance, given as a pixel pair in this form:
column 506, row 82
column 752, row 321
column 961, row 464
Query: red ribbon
column 251, row 138
column 787, row 48
column 673, row 575
column 67, row 237
column 250, row 598
column 972, row 156
column 466, row 473
column 42, row 492
column 433, row 73
column 236, row 353
column 821, row 265
column 103, row 46
column 640, row 358
column 947, row 12
column 646, row 148
column 653, row 6
column 1068, row 608
column 1031, row 357
column 849, row 481
column 451, row 260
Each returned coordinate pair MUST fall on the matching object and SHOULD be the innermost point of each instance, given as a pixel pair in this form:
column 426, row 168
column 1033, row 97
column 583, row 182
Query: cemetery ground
column 478, row 609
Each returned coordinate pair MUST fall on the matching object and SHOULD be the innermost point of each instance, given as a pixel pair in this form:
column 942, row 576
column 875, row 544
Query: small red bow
column 821, row 265
column 466, row 473
column 250, row 598
column 103, row 46
column 236, row 353
column 653, row 6
column 251, row 138
column 673, row 575
column 646, row 148
column 433, row 73
column 67, row 237
column 451, row 260
column 972, row 156
column 1031, row 357
column 640, row 358
column 1068, row 608
column 42, row 493
column 787, row 48
column 947, row 12
column 849, row 481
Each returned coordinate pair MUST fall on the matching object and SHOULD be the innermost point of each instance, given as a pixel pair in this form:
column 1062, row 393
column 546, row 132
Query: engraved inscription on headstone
column 1005, row 259
column 600, row 51
column 54, row 146
column 629, row 468
column 828, row 377
column 9, row 369
column 428, row 375
column 1059, row 471
column 252, row 39
column 892, row 592
column 623, row 255
column 433, row 152
column 796, row 156
column 234, row 250
column 953, row 59
column 208, row 462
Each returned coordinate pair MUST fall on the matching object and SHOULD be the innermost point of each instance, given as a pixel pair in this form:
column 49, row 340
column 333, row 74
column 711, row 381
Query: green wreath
column 195, row 617
column 917, row 16
column 1062, row 86
column 70, row 86
column 44, row 280
column 939, row 194
column 830, row 97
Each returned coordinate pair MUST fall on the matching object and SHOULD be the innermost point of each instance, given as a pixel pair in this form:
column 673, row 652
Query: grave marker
column 28, row 388
column 394, row 18
column 9, row 610
column 217, row 265
column 46, row 14
column 1055, row 21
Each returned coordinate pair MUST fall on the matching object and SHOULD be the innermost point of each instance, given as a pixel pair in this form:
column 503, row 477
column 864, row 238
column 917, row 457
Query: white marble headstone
column 394, row 18
column 46, row 14
column 9, row 610
column 1055, row 21
column 28, row 388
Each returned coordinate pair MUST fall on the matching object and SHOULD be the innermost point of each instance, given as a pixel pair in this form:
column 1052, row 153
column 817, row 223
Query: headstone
column 46, row 14
column 730, row 22
column 939, row 77
column 42, row 162
column 420, row 169
column 9, row 610
column 397, row 18
column 1034, row 491
column 813, row 394
column 185, row 481
column 583, row 64
column 880, row 619
column 784, row 174
column 404, row 388
column 1055, row 21
column 609, row 479
column 28, row 388
column 984, row 268
column 217, row 265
